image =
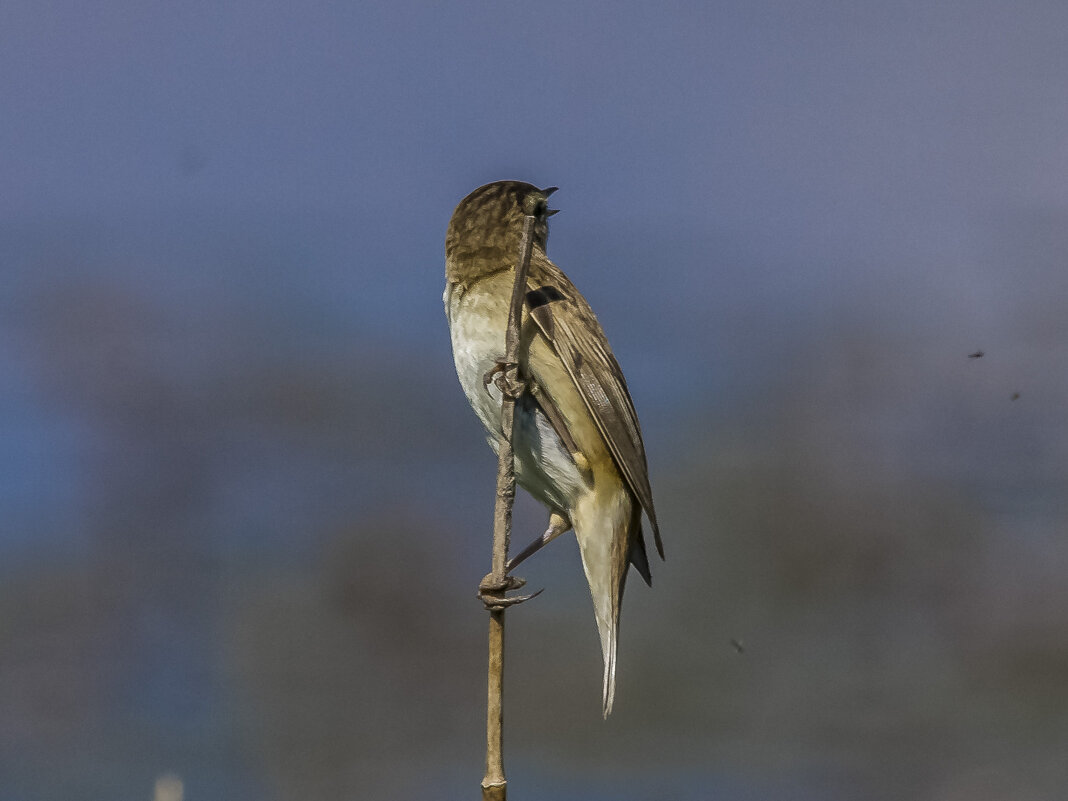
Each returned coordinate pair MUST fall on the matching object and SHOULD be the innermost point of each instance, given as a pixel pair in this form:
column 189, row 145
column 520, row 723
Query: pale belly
column 544, row 466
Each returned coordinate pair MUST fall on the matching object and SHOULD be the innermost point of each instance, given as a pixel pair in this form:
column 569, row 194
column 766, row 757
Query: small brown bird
column 578, row 448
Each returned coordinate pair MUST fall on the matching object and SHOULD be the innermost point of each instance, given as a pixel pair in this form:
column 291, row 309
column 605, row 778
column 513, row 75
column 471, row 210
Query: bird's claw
column 491, row 584
column 505, row 376
column 499, row 366
column 491, row 591
column 498, row 603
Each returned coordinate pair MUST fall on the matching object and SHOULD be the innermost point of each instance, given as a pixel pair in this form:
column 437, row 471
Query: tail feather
column 638, row 557
column 605, row 538
column 608, row 688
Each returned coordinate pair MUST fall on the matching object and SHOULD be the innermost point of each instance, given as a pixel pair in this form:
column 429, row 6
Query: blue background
column 244, row 506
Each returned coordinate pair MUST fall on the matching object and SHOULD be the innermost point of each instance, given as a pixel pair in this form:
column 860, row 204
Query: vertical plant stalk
column 494, row 783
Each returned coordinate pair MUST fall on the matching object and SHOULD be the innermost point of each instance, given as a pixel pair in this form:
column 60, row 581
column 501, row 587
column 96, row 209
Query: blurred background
column 244, row 506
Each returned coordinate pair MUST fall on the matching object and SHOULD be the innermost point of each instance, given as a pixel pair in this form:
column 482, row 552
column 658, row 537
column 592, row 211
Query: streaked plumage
column 578, row 446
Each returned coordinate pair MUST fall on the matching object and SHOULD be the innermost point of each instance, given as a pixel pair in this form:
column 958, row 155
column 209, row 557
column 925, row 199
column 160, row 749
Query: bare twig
column 494, row 783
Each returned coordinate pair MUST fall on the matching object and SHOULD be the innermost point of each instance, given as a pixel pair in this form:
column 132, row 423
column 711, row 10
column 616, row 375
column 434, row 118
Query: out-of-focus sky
column 231, row 436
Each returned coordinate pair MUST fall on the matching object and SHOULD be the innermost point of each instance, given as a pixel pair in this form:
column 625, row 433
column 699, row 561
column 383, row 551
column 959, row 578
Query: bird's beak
column 546, row 193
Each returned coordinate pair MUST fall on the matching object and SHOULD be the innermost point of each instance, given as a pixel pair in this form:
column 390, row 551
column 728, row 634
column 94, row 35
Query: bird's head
column 487, row 226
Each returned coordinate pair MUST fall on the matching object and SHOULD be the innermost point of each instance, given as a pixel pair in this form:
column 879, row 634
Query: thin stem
column 494, row 783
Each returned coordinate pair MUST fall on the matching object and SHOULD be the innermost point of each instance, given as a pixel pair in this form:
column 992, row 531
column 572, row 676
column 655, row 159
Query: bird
column 577, row 444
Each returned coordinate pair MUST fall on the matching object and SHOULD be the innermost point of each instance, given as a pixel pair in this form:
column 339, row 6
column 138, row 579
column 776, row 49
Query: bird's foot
column 491, row 591
column 505, row 376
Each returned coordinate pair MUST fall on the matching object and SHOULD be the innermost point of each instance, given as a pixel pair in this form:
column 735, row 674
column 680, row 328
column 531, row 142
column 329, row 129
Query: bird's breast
column 477, row 321
column 478, row 317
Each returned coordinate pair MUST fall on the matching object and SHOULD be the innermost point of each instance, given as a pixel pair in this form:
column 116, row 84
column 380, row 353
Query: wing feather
column 566, row 320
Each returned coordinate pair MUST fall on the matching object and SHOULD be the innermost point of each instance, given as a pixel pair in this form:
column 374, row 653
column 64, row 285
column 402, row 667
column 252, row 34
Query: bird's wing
column 565, row 319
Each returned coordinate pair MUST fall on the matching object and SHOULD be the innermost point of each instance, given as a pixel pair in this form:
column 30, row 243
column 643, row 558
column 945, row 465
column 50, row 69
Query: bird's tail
column 605, row 541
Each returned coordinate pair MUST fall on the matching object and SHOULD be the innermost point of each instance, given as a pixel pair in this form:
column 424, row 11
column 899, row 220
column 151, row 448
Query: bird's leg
column 491, row 590
column 505, row 376
column 558, row 524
